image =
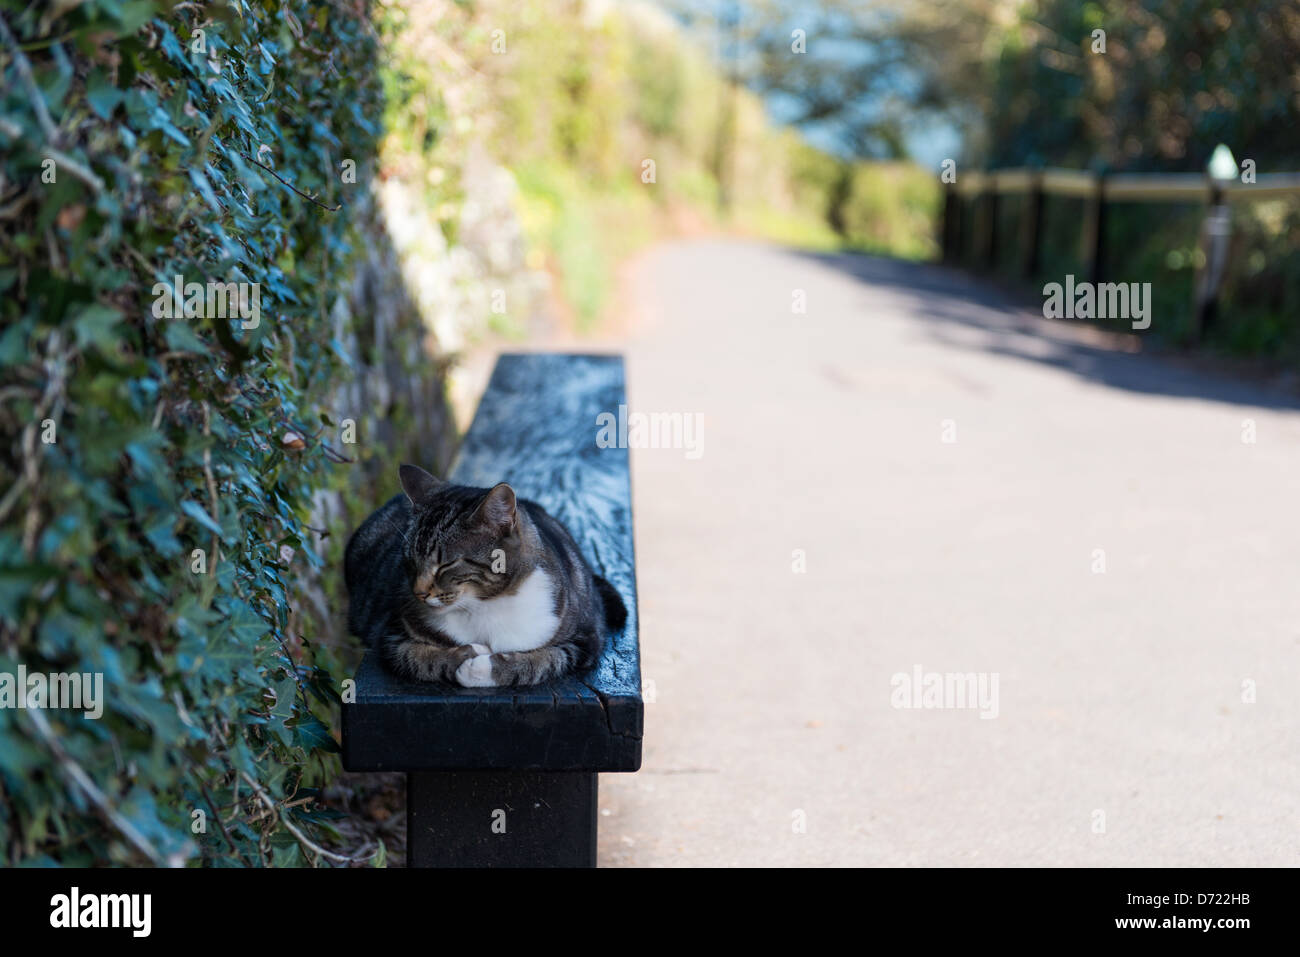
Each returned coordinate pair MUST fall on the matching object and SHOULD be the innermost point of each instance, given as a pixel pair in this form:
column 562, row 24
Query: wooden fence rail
column 977, row 194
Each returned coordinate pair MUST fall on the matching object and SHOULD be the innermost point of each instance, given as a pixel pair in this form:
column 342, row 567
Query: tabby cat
column 474, row 586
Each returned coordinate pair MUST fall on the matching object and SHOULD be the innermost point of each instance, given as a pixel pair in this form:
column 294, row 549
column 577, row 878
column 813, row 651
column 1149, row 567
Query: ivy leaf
column 102, row 96
column 132, row 15
column 182, row 338
column 196, row 511
column 94, row 325
column 283, row 709
column 310, row 733
column 246, row 626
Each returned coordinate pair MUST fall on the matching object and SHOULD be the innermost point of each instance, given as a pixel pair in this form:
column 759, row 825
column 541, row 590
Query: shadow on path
column 965, row 312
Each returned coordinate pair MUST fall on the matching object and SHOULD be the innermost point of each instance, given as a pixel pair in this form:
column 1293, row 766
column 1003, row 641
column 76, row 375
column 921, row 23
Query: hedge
column 159, row 459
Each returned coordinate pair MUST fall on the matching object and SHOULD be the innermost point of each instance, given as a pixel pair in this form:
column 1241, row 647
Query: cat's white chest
column 519, row 622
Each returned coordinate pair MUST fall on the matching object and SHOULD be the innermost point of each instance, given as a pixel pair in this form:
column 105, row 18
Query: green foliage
column 1261, row 290
column 574, row 99
column 1171, row 85
column 585, row 232
column 1175, row 80
column 171, row 435
column 889, row 208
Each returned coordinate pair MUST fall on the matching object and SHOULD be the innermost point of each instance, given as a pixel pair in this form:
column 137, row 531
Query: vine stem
column 29, row 84
column 43, row 119
column 302, row 838
column 307, row 196
column 212, row 488
column 92, row 791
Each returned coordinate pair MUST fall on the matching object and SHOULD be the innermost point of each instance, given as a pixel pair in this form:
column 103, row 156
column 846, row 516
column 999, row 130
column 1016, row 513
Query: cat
column 475, row 587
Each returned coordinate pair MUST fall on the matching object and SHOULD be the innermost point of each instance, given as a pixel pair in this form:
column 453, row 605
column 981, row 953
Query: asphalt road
column 973, row 492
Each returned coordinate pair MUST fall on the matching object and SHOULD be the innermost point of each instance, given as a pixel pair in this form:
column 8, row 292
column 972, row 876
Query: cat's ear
column 418, row 484
column 497, row 510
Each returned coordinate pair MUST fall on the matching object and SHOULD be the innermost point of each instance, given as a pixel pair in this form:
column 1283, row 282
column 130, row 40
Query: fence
column 977, row 195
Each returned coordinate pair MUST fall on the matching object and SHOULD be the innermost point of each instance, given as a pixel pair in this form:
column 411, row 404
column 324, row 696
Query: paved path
column 1119, row 693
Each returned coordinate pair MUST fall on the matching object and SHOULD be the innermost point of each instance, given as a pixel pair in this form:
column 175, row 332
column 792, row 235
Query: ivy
column 158, row 468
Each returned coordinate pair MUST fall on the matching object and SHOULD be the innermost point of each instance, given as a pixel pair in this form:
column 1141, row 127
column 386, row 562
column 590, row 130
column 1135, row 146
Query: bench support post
column 501, row 819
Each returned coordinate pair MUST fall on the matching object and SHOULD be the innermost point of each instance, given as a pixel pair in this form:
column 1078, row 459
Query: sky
column 927, row 140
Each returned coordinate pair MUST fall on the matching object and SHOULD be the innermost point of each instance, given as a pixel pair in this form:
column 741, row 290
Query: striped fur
column 473, row 586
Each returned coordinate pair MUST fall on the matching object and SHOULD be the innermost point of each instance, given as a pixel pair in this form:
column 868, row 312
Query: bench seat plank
column 536, row 429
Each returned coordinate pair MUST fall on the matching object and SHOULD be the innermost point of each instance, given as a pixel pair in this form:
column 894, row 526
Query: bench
column 508, row 776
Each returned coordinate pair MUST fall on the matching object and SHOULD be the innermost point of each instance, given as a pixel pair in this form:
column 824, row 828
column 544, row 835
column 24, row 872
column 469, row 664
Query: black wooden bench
column 507, row 776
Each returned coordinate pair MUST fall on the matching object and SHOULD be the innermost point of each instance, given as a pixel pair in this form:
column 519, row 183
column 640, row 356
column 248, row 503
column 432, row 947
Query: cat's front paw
column 475, row 672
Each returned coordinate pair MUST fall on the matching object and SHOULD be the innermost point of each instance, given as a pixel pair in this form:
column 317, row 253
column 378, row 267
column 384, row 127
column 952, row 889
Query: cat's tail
column 615, row 610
